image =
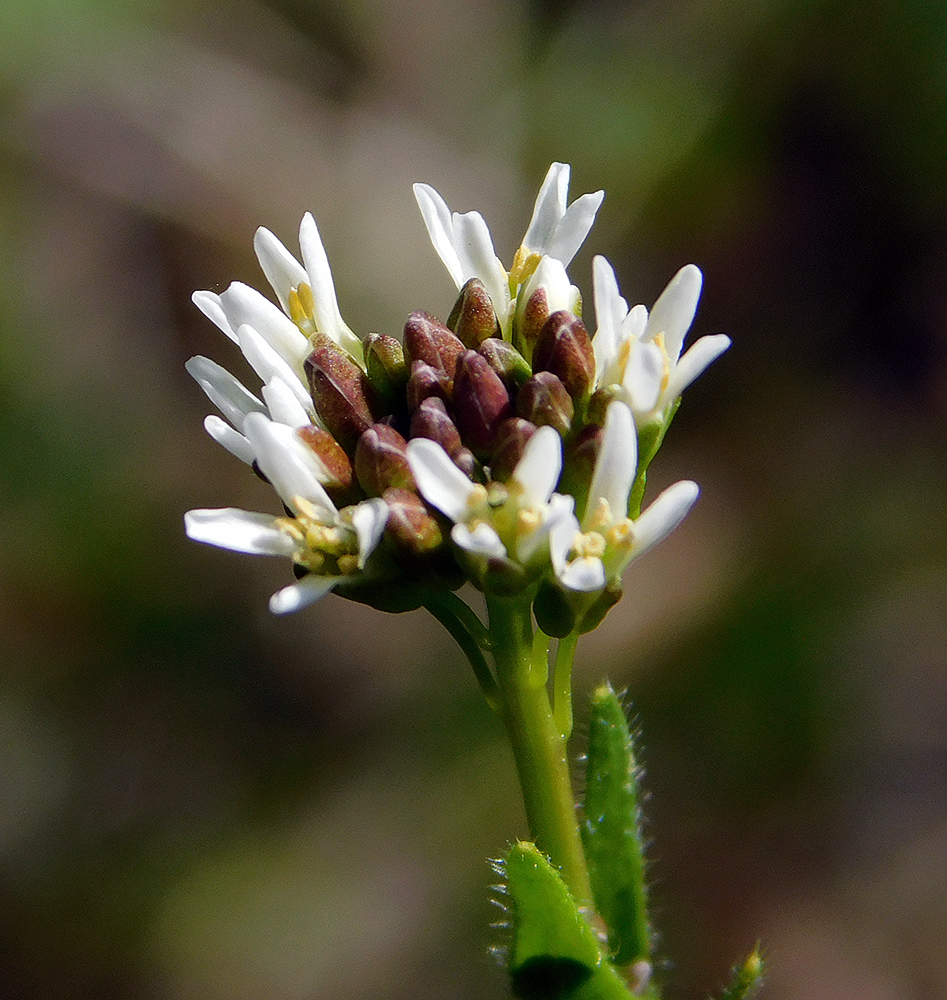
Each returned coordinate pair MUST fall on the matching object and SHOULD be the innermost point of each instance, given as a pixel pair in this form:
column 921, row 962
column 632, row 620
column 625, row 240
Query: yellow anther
column 306, row 300
column 527, row 521
column 588, row 545
column 621, row 535
column 347, row 564
column 665, row 361
column 525, row 263
column 600, row 516
column 290, row 526
column 477, row 498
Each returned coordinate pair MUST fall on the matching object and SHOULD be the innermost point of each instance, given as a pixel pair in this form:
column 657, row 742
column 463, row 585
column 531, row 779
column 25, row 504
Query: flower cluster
column 500, row 446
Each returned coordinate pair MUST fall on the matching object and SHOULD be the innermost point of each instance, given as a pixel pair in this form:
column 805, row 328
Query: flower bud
column 431, row 420
column 411, row 525
column 506, row 361
column 528, row 326
column 341, row 392
column 578, row 464
column 387, row 369
column 427, row 339
column 565, row 349
column 425, row 382
column 553, row 610
column 605, row 601
column 481, row 403
column 381, row 461
column 336, row 462
column 543, row 400
column 598, row 405
column 473, row 318
column 466, row 461
column 511, row 439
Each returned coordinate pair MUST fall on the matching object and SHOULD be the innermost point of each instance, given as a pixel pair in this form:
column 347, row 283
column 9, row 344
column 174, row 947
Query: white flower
column 638, row 355
column 464, row 244
column 332, row 545
column 508, row 522
column 588, row 555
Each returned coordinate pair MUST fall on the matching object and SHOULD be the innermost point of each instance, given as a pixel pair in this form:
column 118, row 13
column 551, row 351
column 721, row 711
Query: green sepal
column 611, row 835
column 554, row 953
column 745, row 979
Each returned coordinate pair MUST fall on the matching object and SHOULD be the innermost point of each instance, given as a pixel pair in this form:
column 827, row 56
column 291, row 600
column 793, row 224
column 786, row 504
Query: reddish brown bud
column 565, row 349
column 527, row 329
column 427, row 339
column 506, row 361
column 410, row 524
column 544, row 401
column 431, row 420
column 330, row 454
column 481, row 403
column 512, row 436
column 381, row 461
column 343, row 396
column 466, row 461
column 578, row 462
column 387, row 368
column 425, row 382
column 473, row 317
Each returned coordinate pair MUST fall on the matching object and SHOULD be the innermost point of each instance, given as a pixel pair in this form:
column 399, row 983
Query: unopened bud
column 387, row 368
column 512, row 436
column 598, row 405
column 604, row 603
column 336, row 462
column 427, row 339
column 506, row 361
column 341, row 392
column 526, row 331
column 431, row 420
column 481, row 403
column 578, row 463
column 410, row 524
column 381, row 461
column 544, row 401
column 427, row 381
column 473, row 317
column 553, row 610
column 466, row 461
column 565, row 349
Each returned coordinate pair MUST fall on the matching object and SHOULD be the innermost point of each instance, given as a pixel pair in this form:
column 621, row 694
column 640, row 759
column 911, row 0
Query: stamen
column 601, row 515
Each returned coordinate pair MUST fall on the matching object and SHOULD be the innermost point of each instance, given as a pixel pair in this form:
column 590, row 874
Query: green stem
column 462, row 623
column 562, row 684
column 538, row 746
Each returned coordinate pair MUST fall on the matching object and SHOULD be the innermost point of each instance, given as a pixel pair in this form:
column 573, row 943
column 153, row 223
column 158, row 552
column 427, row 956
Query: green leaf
column 554, row 954
column 611, row 835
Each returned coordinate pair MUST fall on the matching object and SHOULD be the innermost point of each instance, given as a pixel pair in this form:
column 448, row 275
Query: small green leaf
column 610, row 833
column 745, row 979
column 554, row 954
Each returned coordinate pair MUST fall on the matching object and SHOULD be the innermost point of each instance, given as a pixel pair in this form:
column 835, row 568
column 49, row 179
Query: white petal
column 230, row 439
column 437, row 219
column 674, row 311
column 562, row 535
column 644, row 374
column 584, row 575
column 538, row 469
column 291, row 466
column 610, row 310
column 244, row 305
column 209, row 305
column 240, row 530
column 616, row 463
column 478, row 258
column 574, row 227
column 224, row 390
column 282, row 270
column 481, row 541
column 326, row 306
column 439, row 481
column 664, row 515
column 369, row 519
column 549, row 208
column 558, row 510
column 268, row 364
column 300, row 595
column 694, row 361
column 284, row 405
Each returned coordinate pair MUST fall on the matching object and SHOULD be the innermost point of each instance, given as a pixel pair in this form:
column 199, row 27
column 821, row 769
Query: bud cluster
column 498, row 447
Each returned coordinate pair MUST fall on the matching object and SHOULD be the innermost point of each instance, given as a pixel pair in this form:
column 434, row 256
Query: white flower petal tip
column 616, row 465
column 674, row 311
column 239, row 530
column 664, row 514
column 539, row 467
column 440, row 482
column 557, row 229
column 300, row 595
column 369, row 519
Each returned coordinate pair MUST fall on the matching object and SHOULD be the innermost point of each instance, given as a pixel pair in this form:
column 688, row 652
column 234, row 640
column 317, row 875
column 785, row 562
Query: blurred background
column 200, row 801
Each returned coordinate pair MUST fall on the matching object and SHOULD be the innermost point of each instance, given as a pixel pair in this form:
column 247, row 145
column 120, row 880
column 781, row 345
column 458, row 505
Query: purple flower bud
column 481, row 403
column 473, row 317
column 565, row 349
column 427, row 339
column 381, row 461
column 427, row 381
column 343, row 396
column 544, row 401
column 527, row 330
column 411, row 525
column 507, row 362
column 431, row 420
column 387, row 368
column 511, row 439
column 341, row 488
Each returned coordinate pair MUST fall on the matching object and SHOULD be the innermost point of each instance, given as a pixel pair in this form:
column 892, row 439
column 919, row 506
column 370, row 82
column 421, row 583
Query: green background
column 200, row 801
